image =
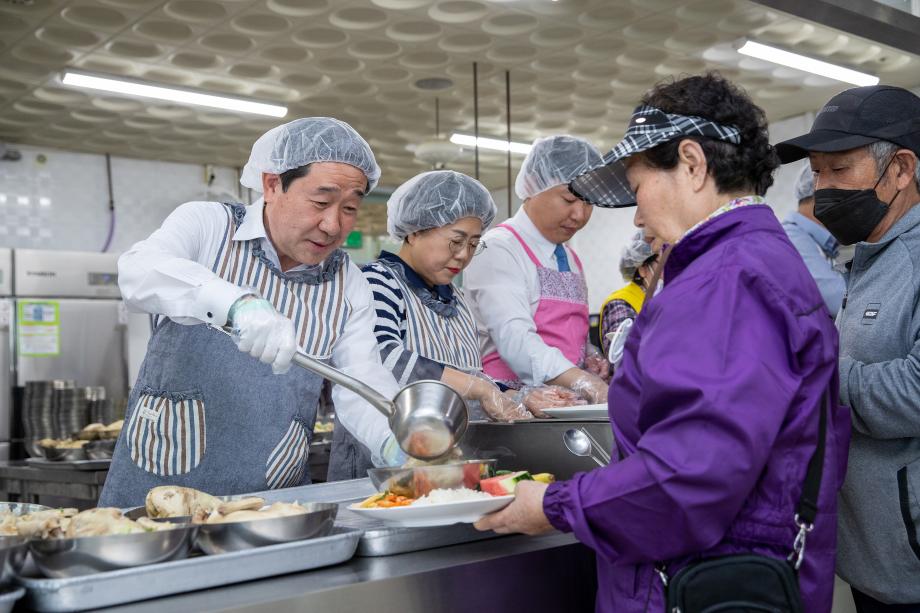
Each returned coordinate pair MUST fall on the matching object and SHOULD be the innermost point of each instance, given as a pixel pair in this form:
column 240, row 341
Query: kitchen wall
column 54, row 199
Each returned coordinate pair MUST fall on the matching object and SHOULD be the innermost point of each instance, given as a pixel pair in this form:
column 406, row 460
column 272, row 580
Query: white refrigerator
column 68, row 321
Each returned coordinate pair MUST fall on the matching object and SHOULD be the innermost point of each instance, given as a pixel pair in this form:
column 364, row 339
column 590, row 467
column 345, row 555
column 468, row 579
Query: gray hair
column 882, row 152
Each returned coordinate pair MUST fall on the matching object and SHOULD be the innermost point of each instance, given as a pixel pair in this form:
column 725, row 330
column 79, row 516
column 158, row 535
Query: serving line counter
column 441, row 571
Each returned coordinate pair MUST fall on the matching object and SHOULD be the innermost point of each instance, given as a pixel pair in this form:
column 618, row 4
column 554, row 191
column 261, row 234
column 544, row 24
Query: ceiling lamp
column 172, row 94
column 494, row 144
column 802, row 62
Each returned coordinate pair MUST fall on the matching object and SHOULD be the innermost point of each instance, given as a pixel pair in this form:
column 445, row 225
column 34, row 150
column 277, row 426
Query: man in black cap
column 863, row 148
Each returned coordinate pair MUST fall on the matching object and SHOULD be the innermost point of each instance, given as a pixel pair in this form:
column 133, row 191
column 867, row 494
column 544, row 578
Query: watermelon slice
column 503, row 485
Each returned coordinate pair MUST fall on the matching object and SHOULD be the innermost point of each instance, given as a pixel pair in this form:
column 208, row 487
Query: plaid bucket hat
column 606, row 186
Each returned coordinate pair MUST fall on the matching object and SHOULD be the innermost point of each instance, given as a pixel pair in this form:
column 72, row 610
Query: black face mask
column 851, row 214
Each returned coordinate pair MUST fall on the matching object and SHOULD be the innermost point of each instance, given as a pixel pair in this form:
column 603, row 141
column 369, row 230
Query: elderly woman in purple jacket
column 715, row 407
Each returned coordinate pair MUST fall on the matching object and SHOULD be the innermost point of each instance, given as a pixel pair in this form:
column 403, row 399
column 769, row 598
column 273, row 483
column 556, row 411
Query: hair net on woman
column 634, row 255
column 304, row 141
column 805, row 184
column 552, row 161
column 435, row 199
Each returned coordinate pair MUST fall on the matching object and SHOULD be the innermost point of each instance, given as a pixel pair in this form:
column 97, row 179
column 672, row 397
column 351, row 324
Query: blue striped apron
column 203, row 414
column 449, row 340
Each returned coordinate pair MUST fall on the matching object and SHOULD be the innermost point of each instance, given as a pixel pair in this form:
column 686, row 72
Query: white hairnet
column 304, row 141
column 552, row 161
column 435, row 199
column 805, row 184
column 634, row 255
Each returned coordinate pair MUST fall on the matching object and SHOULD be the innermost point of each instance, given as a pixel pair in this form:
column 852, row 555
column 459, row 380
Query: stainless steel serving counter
column 516, row 573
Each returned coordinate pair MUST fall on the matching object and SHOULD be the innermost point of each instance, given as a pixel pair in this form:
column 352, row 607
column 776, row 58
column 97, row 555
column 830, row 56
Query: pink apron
column 561, row 317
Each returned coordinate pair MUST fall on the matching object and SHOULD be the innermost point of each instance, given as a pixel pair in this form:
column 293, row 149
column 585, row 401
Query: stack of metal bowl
column 98, row 405
column 36, row 412
column 71, row 411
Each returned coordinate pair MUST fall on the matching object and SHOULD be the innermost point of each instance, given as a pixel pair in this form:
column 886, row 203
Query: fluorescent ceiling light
column 489, row 143
column 801, row 62
column 172, row 94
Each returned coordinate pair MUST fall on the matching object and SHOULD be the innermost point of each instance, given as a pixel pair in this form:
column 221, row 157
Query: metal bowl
column 430, row 418
column 100, row 449
column 419, row 480
column 138, row 512
column 56, row 454
column 59, row 558
column 9, row 597
column 34, row 449
column 237, row 536
column 13, row 553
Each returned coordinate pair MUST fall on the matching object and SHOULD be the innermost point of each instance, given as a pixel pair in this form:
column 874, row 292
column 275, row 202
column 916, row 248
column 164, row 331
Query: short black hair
column 289, row 176
column 748, row 166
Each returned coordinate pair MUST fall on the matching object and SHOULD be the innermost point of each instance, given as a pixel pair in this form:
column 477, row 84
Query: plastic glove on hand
column 591, row 387
column 502, row 407
column 263, row 332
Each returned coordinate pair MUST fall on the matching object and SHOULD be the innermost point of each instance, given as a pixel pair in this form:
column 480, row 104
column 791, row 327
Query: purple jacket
column 715, row 414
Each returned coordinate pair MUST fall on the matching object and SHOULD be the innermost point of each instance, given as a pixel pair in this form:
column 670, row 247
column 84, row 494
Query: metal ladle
column 578, row 443
column 428, row 417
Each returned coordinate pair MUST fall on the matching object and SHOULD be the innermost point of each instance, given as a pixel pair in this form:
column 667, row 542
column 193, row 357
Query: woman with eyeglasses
column 424, row 328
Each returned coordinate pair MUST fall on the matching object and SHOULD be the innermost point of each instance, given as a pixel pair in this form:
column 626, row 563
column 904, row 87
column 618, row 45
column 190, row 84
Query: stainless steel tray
column 70, row 464
column 191, row 574
column 379, row 539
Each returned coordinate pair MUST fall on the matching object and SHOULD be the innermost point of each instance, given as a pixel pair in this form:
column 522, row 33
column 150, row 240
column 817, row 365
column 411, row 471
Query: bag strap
column 807, row 508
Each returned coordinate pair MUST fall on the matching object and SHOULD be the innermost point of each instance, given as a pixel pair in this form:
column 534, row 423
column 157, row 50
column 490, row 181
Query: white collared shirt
column 170, row 274
column 503, row 289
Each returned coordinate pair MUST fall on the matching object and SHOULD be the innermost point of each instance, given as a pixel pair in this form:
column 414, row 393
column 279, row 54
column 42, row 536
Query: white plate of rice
column 439, row 508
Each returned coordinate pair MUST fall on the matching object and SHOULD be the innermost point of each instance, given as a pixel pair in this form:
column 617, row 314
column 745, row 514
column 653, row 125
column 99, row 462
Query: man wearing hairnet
column 620, row 309
column 424, row 328
column 228, row 415
column 528, row 290
column 815, row 244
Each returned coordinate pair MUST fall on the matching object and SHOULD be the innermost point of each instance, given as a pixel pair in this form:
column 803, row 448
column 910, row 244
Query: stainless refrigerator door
column 6, row 371
column 91, row 347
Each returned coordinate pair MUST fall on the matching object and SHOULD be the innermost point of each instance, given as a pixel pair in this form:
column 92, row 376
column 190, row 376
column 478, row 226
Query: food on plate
column 544, row 477
column 40, row 524
column 54, row 443
column 552, row 397
column 385, row 500
column 505, row 484
column 457, row 495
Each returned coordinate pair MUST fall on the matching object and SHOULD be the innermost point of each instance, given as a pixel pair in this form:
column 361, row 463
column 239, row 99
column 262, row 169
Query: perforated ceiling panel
column 577, row 66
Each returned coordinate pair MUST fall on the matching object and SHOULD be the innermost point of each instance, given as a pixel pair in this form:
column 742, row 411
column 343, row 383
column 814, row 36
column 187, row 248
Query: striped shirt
column 415, row 340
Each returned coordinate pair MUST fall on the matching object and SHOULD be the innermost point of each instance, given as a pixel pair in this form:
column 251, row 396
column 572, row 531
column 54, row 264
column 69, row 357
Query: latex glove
column 617, row 340
column 596, row 363
column 591, row 387
column 499, row 406
column 536, row 399
column 263, row 332
column 392, row 454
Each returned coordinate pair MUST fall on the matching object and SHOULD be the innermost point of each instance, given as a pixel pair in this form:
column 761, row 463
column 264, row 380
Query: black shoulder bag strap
column 807, row 509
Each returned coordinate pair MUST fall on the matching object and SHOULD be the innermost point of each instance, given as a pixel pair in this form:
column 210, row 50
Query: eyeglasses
column 459, row 246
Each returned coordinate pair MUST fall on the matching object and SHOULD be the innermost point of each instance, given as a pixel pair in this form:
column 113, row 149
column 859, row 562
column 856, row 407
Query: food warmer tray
column 191, row 574
column 70, row 464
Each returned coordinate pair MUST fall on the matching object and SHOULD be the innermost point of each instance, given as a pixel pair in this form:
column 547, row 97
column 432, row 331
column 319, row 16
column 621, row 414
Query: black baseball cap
column 858, row 117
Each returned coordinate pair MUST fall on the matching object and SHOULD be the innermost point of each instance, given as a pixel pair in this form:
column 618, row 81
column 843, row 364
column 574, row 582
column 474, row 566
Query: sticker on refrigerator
column 39, row 329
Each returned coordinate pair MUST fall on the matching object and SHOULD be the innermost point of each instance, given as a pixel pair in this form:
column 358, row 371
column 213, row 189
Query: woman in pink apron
column 528, row 290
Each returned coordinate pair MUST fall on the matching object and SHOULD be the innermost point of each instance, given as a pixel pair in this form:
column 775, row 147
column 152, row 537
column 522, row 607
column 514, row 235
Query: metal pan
column 100, row 449
column 75, row 557
column 237, row 536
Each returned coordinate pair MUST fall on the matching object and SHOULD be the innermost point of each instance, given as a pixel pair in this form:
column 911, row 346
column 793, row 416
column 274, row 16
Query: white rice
column 440, row 496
